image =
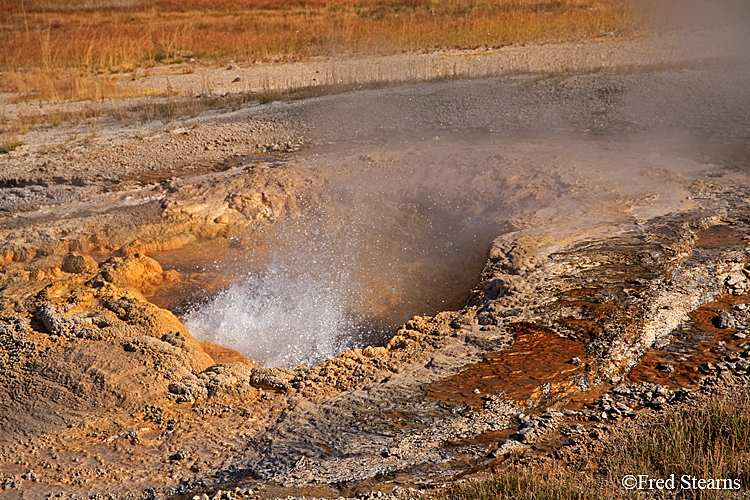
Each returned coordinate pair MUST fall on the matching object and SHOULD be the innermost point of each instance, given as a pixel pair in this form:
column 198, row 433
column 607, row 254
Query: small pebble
column 665, row 367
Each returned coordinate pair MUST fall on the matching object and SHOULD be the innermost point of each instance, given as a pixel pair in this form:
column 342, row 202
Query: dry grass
column 9, row 142
column 60, row 45
column 22, row 124
column 710, row 439
column 525, row 484
column 67, row 83
column 164, row 110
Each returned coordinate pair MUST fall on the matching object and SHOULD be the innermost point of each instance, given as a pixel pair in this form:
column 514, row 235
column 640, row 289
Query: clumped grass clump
column 8, row 143
column 707, row 440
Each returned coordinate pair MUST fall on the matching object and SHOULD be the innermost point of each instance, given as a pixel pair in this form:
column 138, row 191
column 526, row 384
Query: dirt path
column 603, row 54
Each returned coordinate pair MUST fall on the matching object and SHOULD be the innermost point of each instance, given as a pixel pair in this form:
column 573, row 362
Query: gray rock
column 527, row 434
column 723, row 320
column 622, row 389
column 188, row 389
column 665, row 367
column 57, row 323
column 175, row 338
column 708, row 367
column 222, row 379
column 275, row 379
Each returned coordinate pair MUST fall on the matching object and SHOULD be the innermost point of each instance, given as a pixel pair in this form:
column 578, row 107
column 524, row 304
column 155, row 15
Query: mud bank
column 583, row 233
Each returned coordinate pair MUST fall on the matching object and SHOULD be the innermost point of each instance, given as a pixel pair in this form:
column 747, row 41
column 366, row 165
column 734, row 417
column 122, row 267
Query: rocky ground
column 611, row 220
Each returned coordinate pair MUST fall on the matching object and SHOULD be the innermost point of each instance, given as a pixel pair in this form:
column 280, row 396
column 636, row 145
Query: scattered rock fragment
column 179, row 455
column 57, row 323
column 723, row 320
column 219, row 380
column 78, row 264
column 274, row 379
column 665, row 367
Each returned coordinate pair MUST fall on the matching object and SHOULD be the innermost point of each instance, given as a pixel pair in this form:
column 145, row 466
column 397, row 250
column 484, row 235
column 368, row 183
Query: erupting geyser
column 405, row 230
column 301, row 307
column 385, row 241
column 278, row 318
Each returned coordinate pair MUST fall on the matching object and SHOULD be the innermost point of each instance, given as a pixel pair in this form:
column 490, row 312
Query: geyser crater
column 380, row 246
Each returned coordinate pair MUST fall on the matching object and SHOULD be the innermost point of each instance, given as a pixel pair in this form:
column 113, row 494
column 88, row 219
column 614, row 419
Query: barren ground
column 595, row 220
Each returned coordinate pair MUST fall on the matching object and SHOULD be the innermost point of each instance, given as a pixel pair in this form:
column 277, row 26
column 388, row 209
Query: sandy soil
column 593, row 212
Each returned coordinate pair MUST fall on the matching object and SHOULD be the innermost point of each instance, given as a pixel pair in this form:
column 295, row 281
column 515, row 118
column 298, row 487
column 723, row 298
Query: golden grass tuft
column 9, row 142
column 707, row 441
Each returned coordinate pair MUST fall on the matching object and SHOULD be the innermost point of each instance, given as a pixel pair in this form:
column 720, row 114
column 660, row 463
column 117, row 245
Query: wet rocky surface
column 603, row 295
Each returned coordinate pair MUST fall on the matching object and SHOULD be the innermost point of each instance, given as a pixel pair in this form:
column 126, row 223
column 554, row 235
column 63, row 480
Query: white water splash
column 277, row 319
column 298, row 308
